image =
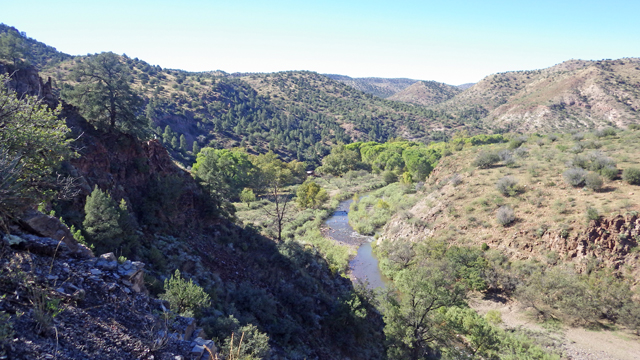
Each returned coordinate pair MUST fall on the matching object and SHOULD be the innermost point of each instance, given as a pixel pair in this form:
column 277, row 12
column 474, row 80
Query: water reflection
column 364, row 266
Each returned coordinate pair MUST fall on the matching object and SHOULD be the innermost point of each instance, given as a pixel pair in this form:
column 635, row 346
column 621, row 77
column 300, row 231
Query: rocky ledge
column 61, row 304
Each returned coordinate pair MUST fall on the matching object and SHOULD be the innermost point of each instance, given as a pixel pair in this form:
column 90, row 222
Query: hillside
column 573, row 94
column 299, row 115
column 545, row 228
column 426, row 93
column 284, row 292
column 380, row 87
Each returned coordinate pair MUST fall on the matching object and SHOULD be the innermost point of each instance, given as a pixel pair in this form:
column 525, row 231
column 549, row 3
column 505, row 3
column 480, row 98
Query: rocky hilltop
column 426, row 93
column 573, row 94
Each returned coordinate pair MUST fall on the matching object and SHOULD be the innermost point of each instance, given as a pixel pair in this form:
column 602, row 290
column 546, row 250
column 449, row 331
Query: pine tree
column 102, row 221
column 183, row 143
column 196, row 148
column 129, row 225
column 103, row 94
column 167, row 135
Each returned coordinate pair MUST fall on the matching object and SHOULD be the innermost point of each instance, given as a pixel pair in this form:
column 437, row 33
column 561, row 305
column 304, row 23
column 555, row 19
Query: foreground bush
column 632, row 176
column 184, row 297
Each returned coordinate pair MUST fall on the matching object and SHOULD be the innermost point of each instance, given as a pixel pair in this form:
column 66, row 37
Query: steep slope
column 426, row 93
column 380, row 87
column 284, row 289
column 573, row 94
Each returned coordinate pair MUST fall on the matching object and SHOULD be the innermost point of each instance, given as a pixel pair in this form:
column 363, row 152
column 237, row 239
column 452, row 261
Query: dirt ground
column 573, row 343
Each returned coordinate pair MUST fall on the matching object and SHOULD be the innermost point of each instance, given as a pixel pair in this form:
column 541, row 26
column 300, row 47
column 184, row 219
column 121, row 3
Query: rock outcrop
column 65, row 307
column 608, row 239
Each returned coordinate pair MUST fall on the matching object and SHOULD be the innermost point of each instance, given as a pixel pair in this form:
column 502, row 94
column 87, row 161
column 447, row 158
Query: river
column 364, row 266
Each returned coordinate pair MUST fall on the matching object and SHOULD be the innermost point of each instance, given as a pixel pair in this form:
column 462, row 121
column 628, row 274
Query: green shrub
column 593, row 181
column 632, row 176
column 574, row 176
column 505, row 215
column 517, row 142
column 184, row 297
column 389, row 177
column 608, row 131
column 592, row 214
column 552, row 137
column 633, row 127
column 609, row 172
column 508, row 186
column 247, row 343
column 494, row 317
column 577, row 136
column 485, row 159
column 311, row 195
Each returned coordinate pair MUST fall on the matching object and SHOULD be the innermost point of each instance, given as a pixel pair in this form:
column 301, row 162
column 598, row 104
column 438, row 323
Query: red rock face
column 608, row 239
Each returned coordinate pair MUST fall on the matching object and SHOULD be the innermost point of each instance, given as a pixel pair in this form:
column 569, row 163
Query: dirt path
column 573, row 343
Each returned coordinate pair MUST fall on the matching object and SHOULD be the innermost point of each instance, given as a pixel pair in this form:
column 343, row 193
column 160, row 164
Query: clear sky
column 449, row 41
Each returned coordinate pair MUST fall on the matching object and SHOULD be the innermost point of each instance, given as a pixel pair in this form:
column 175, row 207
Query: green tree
column 247, row 196
column 275, row 174
column 412, row 319
column 167, row 135
column 483, row 339
column 104, row 96
column 129, row 227
column 184, row 297
column 340, row 161
column 33, row 143
column 310, row 194
column 183, row 143
column 225, row 172
column 195, row 149
column 102, row 221
column 14, row 48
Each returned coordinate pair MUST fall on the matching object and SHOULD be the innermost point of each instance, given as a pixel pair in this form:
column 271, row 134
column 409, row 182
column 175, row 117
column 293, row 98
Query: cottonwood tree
column 103, row 94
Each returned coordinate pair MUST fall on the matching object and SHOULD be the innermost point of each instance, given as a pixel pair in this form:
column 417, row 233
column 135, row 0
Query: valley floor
column 573, row 343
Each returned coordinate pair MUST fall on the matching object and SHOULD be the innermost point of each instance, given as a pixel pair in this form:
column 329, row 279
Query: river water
column 364, row 266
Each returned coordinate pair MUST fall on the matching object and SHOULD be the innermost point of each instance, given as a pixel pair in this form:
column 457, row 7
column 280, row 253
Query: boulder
column 50, row 227
column 107, row 261
column 133, row 272
column 184, row 327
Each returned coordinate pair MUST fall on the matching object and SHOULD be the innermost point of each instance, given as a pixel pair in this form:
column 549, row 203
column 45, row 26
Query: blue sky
column 449, row 41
